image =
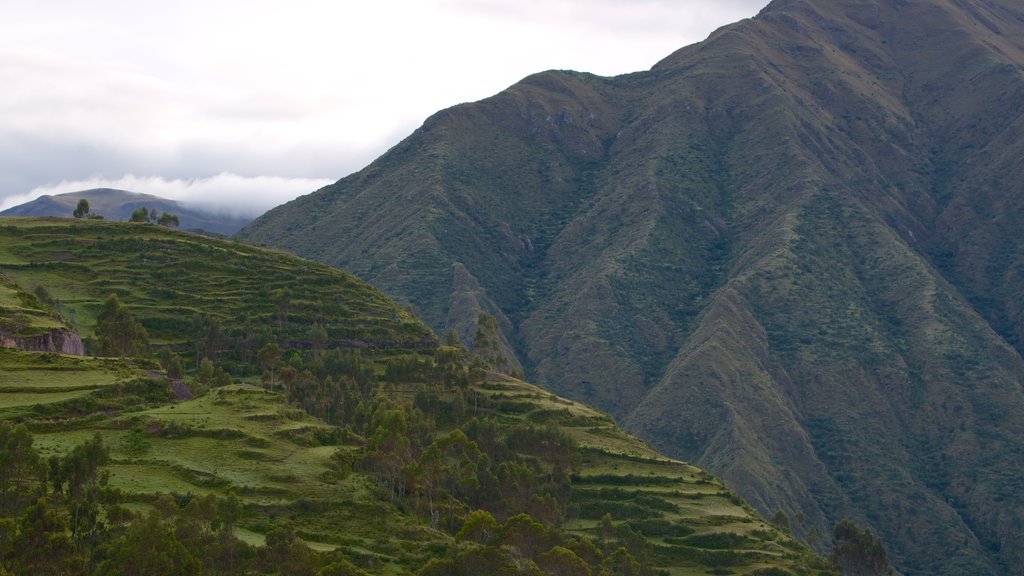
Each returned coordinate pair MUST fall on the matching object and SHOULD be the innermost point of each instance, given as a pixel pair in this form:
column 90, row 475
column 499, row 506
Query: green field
column 28, row 380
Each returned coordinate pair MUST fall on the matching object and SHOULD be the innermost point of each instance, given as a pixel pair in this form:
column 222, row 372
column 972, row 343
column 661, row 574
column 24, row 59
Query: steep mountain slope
column 310, row 449
column 788, row 253
column 119, row 205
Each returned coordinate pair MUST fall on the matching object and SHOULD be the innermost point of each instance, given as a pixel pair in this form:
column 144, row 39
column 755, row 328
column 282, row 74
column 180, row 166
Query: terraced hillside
column 790, row 254
column 168, row 279
column 303, row 459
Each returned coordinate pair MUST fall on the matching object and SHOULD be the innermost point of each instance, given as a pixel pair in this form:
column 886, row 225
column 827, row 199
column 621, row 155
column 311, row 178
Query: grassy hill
column 167, row 279
column 297, row 455
column 119, row 205
column 788, row 254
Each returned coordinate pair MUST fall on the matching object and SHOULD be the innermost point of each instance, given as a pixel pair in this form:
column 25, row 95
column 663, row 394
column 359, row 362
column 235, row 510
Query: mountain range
column 789, row 253
column 119, row 205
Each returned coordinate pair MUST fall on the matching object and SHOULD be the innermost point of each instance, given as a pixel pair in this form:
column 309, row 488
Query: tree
column 82, row 210
column 221, row 377
column 479, row 527
column 485, row 341
column 781, row 520
column 229, row 510
column 79, row 470
column 140, row 215
column 388, row 450
column 207, row 336
column 20, row 466
column 118, row 332
column 561, row 561
column 284, row 302
column 488, row 345
column 858, row 553
column 168, row 219
column 149, row 548
column 204, row 375
column 43, row 544
column 621, row 563
column 270, row 356
column 285, row 553
column 318, row 337
column 176, row 370
column 152, row 214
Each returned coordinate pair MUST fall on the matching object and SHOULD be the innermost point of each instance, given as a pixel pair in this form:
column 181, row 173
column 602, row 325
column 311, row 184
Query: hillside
column 788, row 253
column 119, row 205
column 311, row 455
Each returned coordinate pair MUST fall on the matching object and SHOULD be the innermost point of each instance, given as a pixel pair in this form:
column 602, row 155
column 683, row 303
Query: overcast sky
column 253, row 102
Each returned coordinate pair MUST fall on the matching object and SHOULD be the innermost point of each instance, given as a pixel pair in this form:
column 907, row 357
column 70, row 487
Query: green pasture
column 30, row 379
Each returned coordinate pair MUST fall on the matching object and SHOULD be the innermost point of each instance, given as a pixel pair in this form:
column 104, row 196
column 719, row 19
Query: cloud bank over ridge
column 224, row 193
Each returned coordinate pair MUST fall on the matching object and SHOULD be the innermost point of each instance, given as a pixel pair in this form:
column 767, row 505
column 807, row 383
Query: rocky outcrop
column 62, row 340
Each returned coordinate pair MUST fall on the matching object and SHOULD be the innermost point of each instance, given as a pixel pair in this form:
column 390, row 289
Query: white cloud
column 297, row 88
column 228, row 193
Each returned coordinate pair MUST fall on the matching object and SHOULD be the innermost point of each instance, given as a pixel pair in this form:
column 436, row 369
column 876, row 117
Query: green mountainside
column 364, row 446
column 789, row 253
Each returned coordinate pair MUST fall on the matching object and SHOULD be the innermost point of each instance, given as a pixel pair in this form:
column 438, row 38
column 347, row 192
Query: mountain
column 788, row 253
column 119, row 205
column 370, row 448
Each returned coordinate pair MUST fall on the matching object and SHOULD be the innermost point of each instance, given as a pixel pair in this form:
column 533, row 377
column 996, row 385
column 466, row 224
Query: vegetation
column 168, row 219
column 119, row 205
column 791, row 253
column 857, row 552
column 196, row 294
column 372, row 457
column 117, row 331
column 82, row 209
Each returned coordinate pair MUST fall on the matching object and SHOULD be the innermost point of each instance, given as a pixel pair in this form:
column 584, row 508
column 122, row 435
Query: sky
column 242, row 105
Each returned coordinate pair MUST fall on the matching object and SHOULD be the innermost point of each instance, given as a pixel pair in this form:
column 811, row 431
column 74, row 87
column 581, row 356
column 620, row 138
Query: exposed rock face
column 63, row 341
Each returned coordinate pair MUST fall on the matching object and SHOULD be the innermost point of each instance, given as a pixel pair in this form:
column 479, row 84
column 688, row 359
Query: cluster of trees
column 58, row 517
column 487, row 344
column 82, row 211
column 501, row 487
column 445, row 475
column 857, row 552
column 117, row 331
column 423, row 435
column 522, row 546
column 149, row 216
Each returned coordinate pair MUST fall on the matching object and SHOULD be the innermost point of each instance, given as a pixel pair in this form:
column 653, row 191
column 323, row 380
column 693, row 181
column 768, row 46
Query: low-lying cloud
column 224, row 193
column 300, row 89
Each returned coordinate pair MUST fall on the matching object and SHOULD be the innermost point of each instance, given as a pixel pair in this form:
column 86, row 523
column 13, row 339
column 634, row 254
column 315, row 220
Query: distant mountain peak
column 115, row 204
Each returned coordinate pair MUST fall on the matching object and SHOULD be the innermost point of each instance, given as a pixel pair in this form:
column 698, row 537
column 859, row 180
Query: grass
column 212, row 444
column 21, row 314
column 28, row 379
column 18, row 399
column 622, row 476
column 248, row 440
column 235, row 438
column 168, row 277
